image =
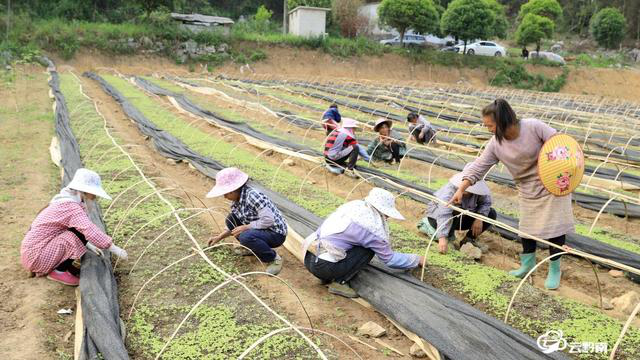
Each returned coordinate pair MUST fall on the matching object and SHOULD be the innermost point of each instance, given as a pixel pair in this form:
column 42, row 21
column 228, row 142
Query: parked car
column 548, row 56
column 486, row 48
column 409, row 40
column 451, row 49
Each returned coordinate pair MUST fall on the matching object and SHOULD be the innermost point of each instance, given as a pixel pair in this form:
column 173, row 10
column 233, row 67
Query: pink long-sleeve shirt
column 520, row 156
column 49, row 242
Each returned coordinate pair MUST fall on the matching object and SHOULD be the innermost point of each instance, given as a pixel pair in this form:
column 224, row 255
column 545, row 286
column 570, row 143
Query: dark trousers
column 67, row 264
column 394, row 148
column 341, row 271
column 465, row 222
column 348, row 161
column 428, row 137
column 260, row 241
column 529, row 246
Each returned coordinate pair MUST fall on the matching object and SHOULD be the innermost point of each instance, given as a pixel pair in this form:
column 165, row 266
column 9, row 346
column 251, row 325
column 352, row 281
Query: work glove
column 119, row 252
column 95, row 249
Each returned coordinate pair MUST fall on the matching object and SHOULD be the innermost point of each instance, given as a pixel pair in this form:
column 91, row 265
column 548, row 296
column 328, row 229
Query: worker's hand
column 443, row 245
column 119, row 252
column 240, row 229
column 421, row 261
column 476, row 228
column 214, row 239
column 95, row 249
column 456, row 199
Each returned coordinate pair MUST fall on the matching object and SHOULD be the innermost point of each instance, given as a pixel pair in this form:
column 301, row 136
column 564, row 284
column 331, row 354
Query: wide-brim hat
column 380, row 122
column 384, row 202
column 561, row 164
column 88, row 181
column 349, row 123
column 479, row 188
column 228, row 180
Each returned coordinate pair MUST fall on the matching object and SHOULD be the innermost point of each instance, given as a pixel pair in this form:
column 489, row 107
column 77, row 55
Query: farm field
column 179, row 299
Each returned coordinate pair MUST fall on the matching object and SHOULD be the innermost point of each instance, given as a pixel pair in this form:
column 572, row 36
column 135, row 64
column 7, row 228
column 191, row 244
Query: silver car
column 409, row 40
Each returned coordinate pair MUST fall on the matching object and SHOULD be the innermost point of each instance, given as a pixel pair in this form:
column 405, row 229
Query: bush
column 608, row 27
column 517, row 76
column 345, row 14
column 548, row 8
column 419, row 15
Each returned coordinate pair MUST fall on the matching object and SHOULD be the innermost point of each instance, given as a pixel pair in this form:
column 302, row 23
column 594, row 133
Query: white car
column 410, row 40
column 486, row 48
column 547, row 55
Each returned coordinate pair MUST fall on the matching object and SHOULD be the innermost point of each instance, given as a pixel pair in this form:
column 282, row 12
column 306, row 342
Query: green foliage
column 608, row 27
column 547, row 8
column 533, row 29
column 315, row 3
column 262, row 18
column 501, row 25
column 517, row 76
column 469, row 20
column 419, row 15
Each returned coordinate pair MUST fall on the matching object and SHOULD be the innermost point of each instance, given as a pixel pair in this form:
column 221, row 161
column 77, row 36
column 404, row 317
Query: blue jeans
column 260, row 241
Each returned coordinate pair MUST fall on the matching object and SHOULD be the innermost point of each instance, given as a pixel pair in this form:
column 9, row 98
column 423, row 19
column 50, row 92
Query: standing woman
column 388, row 145
column 254, row 220
column 62, row 231
column 516, row 143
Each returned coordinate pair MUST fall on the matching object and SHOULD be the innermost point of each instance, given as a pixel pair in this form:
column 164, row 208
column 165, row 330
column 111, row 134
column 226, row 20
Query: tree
column 419, row 15
column 468, row 20
column 533, row 29
column 608, row 27
column 345, row 14
column 501, row 24
column 315, row 3
column 548, row 8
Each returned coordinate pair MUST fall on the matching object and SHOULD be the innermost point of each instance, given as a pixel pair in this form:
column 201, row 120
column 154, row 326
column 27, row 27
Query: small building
column 308, row 21
column 198, row 22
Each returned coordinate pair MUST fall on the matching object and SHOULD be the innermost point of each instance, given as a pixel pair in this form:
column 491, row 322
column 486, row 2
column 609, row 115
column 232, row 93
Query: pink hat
column 228, row 180
column 349, row 123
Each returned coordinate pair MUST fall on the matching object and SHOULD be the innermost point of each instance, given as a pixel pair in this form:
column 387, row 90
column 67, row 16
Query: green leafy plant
column 548, row 8
column 608, row 27
column 469, row 20
column 419, row 15
column 533, row 29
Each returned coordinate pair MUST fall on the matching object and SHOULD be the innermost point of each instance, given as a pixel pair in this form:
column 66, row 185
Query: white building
column 308, row 21
column 370, row 12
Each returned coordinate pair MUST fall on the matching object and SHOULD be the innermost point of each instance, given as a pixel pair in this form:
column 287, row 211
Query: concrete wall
column 307, row 22
column 370, row 11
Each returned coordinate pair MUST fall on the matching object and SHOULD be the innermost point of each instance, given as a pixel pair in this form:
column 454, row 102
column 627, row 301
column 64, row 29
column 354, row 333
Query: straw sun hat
column 561, row 164
column 228, row 180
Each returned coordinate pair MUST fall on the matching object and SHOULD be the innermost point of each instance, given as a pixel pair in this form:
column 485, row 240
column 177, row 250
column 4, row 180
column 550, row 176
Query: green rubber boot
column 553, row 278
column 527, row 262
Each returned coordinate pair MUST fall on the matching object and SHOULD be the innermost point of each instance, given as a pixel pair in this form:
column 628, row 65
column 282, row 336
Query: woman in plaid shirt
column 63, row 231
column 254, row 219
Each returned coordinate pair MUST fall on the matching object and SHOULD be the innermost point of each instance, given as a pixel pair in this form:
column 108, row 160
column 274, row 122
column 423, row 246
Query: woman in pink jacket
column 62, row 231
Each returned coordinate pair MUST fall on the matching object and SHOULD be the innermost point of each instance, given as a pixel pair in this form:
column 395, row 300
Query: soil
column 578, row 277
column 31, row 328
column 333, row 314
column 309, row 65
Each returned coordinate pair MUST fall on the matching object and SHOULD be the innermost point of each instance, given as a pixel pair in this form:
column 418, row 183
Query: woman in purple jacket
column 347, row 240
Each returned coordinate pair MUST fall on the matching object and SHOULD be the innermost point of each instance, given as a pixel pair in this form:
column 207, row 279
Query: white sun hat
column 349, row 123
column 479, row 188
column 88, row 181
column 228, row 180
column 384, row 202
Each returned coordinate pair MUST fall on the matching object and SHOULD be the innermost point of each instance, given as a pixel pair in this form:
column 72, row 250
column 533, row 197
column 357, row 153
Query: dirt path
column 329, row 313
column 30, row 327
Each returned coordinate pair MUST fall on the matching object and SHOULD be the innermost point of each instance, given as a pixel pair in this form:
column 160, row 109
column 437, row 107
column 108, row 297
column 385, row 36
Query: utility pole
column 8, row 19
column 285, row 17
